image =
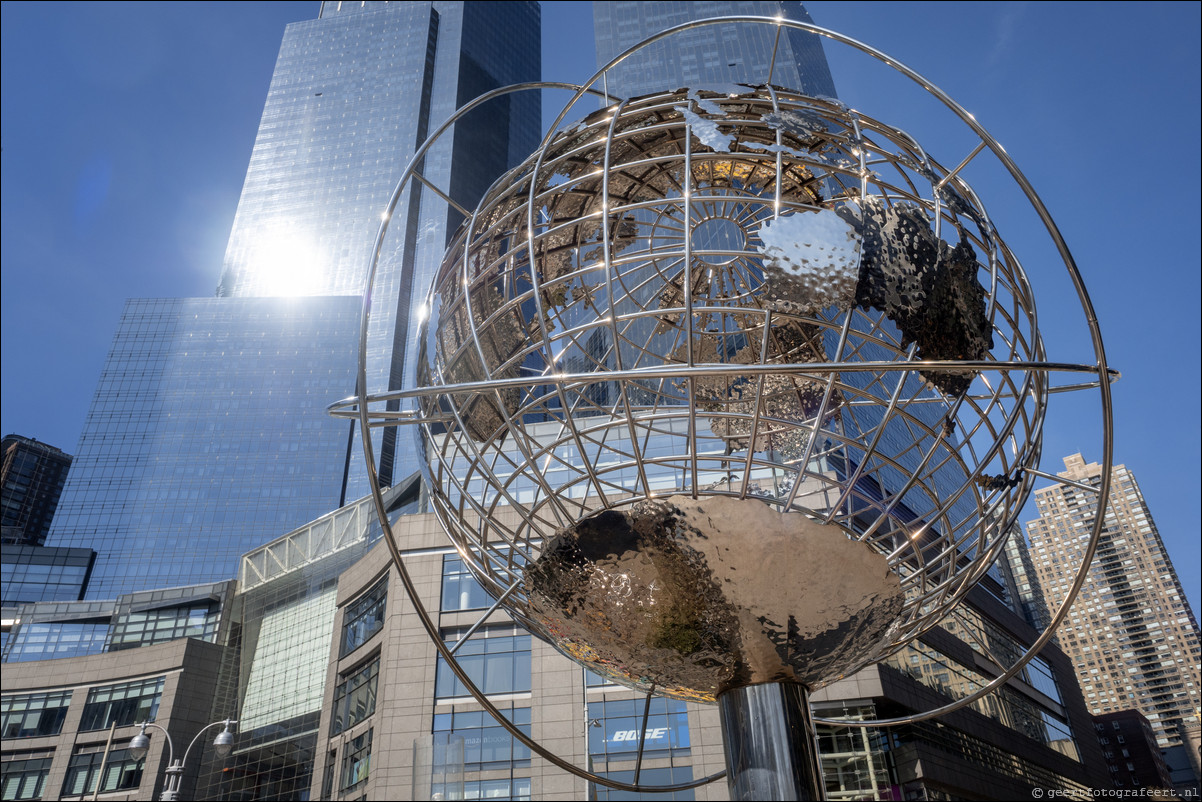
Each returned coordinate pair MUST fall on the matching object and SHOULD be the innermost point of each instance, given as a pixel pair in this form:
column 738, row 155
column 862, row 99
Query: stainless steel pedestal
column 771, row 752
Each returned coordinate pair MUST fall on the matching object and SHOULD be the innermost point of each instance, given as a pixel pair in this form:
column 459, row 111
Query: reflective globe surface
column 692, row 597
column 705, row 331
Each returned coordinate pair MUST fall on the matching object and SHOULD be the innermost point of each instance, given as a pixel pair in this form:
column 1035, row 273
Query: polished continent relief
column 692, row 597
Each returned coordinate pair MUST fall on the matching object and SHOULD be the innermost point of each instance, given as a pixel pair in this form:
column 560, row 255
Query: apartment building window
column 355, row 697
column 497, row 659
column 668, row 775
column 327, row 779
column 30, row 715
column 121, row 771
column 23, row 774
column 123, row 704
column 486, row 744
column 356, row 761
column 364, row 617
column 460, row 590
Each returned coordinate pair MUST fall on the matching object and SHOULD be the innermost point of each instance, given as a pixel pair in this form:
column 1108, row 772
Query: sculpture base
column 768, row 737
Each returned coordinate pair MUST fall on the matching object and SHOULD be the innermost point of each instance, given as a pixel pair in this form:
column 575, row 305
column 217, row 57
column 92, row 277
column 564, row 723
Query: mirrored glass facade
column 354, row 93
column 1006, row 706
column 208, row 436
column 710, row 56
column 54, row 630
column 311, row 632
column 31, row 574
column 993, row 763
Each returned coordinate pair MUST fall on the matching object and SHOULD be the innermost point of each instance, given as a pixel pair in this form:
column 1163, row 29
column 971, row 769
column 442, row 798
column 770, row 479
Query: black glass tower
column 32, row 475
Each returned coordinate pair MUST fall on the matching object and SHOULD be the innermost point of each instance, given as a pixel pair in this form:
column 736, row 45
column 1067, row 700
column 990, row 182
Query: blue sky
column 127, row 129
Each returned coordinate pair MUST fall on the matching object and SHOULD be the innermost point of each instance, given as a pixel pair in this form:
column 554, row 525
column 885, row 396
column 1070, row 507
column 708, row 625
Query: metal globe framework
column 744, row 294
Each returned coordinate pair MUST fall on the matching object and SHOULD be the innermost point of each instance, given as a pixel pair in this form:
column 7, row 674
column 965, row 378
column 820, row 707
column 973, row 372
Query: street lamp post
column 175, row 768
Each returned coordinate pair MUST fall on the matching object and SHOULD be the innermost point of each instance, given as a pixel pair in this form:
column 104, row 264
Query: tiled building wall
column 188, row 668
column 406, row 703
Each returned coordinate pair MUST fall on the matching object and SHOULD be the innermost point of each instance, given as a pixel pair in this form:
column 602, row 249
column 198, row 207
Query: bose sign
column 633, row 735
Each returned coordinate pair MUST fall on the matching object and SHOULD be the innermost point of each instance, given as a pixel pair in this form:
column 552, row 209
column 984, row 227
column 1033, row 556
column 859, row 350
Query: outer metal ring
column 358, row 406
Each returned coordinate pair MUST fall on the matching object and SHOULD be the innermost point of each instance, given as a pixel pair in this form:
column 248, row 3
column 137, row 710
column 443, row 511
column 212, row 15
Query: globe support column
column 768, row 738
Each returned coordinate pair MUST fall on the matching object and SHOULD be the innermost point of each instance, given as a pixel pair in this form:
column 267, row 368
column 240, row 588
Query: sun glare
column 287, row 263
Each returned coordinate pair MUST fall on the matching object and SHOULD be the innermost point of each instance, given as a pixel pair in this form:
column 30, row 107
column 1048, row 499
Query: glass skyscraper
column 354, row 93
column 710, row 56
column 207, row 436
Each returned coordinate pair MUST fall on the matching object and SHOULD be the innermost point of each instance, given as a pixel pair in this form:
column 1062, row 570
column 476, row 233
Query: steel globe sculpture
column 731, row 389
column 699, row 306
